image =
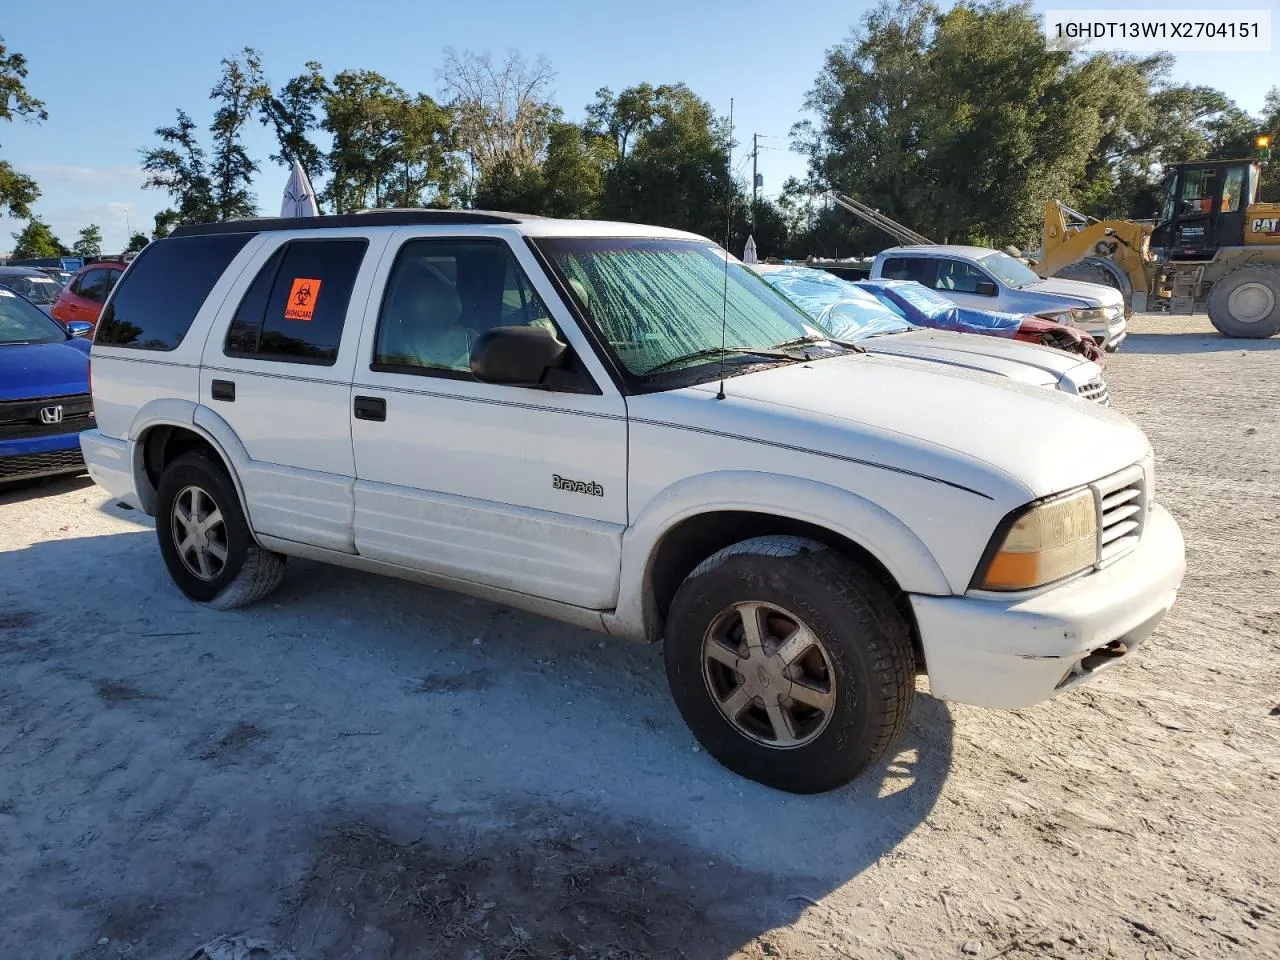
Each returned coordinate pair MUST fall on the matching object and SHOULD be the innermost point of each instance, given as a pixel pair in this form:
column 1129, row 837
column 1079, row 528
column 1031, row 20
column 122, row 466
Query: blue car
column 44, row 391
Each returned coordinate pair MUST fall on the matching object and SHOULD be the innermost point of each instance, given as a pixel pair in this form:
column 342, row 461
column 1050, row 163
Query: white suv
column 541, row 412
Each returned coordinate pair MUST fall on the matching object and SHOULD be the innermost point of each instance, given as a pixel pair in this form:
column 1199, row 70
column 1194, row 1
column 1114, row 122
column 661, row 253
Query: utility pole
column 755, row 177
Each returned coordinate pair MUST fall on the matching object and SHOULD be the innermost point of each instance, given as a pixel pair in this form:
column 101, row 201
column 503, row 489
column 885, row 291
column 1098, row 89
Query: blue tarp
column 840, row 307
column 928, row 308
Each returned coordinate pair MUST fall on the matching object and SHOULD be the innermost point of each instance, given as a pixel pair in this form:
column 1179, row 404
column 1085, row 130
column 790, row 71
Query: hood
column 32, row 371
column 967, row 428
column 1091, row 294
column 1024, row 362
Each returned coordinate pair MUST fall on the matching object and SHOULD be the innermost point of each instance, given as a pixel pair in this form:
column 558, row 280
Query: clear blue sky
column 110, row 74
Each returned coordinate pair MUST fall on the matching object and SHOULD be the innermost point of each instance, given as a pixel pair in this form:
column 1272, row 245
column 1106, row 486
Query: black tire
column 867, row 648
column 249, row 572
column 1268, row 325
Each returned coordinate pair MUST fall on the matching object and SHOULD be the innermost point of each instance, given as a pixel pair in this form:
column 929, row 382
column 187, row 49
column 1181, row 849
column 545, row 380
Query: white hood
column 1024, row 362
column 959, row 426
column 1093, row 294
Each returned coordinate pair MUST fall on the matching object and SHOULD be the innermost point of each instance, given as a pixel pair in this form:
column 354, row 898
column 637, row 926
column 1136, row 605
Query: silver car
column 991, row 280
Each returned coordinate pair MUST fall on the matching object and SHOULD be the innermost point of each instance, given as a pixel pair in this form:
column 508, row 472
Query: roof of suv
column 528, row 224
column 944, row 250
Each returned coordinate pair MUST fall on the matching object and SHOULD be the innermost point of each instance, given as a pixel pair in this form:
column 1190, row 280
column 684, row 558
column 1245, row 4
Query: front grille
column 20, row 419
column 40, row 464
column 1122, row 512
column 1096, row 390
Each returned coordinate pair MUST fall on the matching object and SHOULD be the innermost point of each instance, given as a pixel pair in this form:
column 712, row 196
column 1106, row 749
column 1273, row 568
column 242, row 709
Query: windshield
column 657, row 301
column 1013, row 272
column 846, row 311
column 35, row 289
column 20, row 322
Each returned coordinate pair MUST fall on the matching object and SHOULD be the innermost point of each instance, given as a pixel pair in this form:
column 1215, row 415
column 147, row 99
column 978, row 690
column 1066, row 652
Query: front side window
column 1197, row 191
column 663, row 304
column 957, row 276
column 296, row 307
column 20, row 322
column 157, row 300
column 442, row 295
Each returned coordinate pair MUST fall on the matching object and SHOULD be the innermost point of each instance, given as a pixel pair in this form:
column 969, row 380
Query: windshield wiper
column 806, row 341
column 708, row 352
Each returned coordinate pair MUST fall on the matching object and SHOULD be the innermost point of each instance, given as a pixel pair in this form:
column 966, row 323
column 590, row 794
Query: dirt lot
column 366, row 768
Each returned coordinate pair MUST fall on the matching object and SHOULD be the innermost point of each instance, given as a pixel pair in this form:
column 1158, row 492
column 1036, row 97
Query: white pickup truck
column 622, row 428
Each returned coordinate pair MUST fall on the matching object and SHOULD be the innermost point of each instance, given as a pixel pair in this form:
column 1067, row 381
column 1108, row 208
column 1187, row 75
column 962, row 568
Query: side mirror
column 79, row 328
column 985, row 288
column 517, row 356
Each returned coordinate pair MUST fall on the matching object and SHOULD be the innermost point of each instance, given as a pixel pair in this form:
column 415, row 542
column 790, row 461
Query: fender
column 199, row 420
column 870, row 526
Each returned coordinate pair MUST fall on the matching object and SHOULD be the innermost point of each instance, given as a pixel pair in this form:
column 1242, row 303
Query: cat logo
column 1267, row 227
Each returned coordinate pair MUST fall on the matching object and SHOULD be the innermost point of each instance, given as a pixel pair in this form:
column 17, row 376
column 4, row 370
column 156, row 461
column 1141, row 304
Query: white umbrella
column 749, row 254
column 299, row 197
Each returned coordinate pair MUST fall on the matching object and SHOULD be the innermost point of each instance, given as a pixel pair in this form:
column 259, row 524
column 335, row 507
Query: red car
column 82, row 298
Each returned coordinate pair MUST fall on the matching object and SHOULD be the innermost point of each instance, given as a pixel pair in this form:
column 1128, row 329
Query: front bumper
column 1018, row 652
column 40, row 457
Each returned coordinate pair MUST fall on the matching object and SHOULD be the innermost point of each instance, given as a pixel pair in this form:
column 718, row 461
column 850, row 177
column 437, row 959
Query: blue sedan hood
column 32, row 371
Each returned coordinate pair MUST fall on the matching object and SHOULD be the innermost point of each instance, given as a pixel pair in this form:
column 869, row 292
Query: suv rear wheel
column 205, row 540
column 789, row 662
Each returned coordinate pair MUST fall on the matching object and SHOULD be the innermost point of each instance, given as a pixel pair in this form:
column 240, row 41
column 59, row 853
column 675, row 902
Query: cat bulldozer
column 1214, row 248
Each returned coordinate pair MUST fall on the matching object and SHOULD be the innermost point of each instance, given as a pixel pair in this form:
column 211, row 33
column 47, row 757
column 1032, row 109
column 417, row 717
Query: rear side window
column 919, row 269
column 295, row 308
column 160, row 295
column 93, row 286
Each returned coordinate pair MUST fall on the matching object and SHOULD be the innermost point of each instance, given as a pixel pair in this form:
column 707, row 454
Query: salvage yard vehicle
column 44, row 392
column 991, row 280
column 853, row 312
column 82, row 298
column 621, row 427
column 1214, row 247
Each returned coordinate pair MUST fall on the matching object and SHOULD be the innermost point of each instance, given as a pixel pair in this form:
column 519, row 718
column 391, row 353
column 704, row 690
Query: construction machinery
column 1213, row 247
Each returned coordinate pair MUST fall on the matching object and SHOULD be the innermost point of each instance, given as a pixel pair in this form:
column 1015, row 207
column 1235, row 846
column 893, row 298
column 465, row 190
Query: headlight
column 1094, row 313
column 1048, row 541
column 1058, row 316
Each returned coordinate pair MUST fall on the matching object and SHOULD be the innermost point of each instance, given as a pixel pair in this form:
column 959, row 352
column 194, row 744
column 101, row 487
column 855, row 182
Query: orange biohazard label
column 302, row 299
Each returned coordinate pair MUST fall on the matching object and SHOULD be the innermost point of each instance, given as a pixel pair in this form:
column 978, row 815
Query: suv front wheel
column 789, row 662
column 205, row 539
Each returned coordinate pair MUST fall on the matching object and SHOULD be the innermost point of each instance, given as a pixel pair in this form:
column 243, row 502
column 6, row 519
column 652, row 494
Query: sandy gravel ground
column 366, row 768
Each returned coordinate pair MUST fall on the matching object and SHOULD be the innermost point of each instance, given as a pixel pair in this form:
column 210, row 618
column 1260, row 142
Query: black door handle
column 224, row 390
column 371, row 408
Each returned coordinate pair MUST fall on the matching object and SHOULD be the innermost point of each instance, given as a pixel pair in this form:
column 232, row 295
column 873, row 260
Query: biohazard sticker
column 302, row 299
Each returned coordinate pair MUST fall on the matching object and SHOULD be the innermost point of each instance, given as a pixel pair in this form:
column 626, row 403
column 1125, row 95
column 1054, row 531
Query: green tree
column 179, row 165
column 136, row 242
column 567, row 181
column 36, row 240
column 17, row 191
column 675, row 172
column 238, row 93
column 292, row 113
column 89, row 243
column 389, row 149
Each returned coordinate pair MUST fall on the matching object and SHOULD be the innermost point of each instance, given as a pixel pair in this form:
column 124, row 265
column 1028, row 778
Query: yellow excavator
column 1214, row 247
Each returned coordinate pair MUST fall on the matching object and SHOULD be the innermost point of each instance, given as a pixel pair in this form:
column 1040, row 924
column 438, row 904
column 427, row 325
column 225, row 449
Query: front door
column 277, row 368
column 960, row 282
column 522, row 488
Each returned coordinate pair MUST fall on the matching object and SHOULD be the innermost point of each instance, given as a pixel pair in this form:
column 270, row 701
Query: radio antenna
column 728, row 220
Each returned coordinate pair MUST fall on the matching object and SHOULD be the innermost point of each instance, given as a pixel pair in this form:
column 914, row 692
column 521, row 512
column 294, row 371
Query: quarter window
column 156, row 302
column 919, row 269
column 441, row 296
column 295, row 309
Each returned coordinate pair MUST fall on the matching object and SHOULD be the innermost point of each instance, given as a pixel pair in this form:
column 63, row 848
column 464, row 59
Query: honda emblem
column 51, row 414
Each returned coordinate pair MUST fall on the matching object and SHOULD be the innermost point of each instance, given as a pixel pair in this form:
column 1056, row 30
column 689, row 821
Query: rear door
column 277, row 368
column 523, row 488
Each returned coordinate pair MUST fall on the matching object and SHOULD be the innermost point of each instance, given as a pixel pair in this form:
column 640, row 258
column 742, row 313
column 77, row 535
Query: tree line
column 959, row 123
